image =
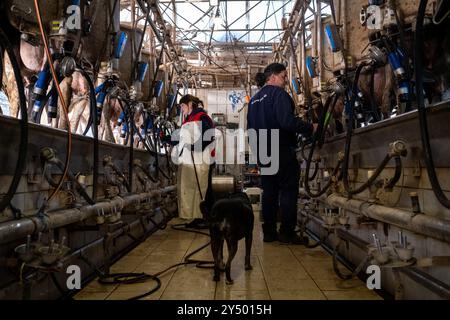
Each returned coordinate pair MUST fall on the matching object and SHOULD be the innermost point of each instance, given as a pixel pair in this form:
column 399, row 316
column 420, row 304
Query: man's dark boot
column 270, row 237
column 270, row 233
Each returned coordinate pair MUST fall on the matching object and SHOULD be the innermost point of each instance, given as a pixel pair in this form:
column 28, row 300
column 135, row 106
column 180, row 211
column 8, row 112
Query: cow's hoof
column 216, row 278
column 229, row 282
column 248, row 267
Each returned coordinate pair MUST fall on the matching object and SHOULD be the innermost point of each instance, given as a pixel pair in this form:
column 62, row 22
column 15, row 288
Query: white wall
column 228, row 102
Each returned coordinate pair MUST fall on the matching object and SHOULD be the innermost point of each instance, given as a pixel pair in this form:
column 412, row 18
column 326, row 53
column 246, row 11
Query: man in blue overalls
column 273, row 109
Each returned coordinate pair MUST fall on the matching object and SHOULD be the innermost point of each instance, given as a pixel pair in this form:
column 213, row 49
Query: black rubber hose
column 23, row 145
column 30, row 97
column 158, row 168
column 37, row 119
column 316, row 168
column 169, row 168
column 78, row 186
column 331, row 100
column 152, row 153
column 118, row 172
column 131, row 278
column 131, row 149
column 321, row 137
column 138, row 53
column 370, row 181
column 348, row 141
column 355, row 272
column 167, row 132
column 155, row 74
column 418, row 66
column 401, row 31
column 372, row 100
column 316, row 171
column 1, row 69
column 79, row 32
column 93, row 106
column 156, row 145
column 397, row 174
column 147, row 173
column 105, row 39
column 302, row 150
column 92, row 114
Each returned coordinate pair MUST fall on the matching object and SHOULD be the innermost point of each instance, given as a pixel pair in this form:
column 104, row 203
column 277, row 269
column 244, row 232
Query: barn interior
column 90, row 191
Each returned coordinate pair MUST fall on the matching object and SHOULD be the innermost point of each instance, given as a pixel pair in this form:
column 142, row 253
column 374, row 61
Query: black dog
column 229, row 219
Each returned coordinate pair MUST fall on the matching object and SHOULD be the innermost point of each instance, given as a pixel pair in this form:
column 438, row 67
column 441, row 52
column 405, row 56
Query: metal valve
column 47, row 153
column 398, row 148
column 377, row 56
column 68, row 66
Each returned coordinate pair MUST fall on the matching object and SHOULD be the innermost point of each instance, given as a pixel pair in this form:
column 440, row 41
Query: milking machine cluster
column 142, row 125
column 388, row 44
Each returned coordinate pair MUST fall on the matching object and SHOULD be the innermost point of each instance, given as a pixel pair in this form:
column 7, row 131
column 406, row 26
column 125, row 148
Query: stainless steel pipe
column 17, row 229
column 423, row 224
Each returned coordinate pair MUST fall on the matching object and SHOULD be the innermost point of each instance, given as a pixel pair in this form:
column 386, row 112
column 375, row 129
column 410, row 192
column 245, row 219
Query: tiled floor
column 282, row 272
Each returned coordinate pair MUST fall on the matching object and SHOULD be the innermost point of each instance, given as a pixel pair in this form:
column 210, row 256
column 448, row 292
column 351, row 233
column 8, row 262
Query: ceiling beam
column 298, row 11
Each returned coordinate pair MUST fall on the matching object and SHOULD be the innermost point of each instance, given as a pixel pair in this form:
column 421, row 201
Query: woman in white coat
column 195, row 161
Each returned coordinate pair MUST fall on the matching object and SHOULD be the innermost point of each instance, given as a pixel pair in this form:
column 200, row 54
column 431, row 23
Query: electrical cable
column 23, row 122
column 63, row 103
